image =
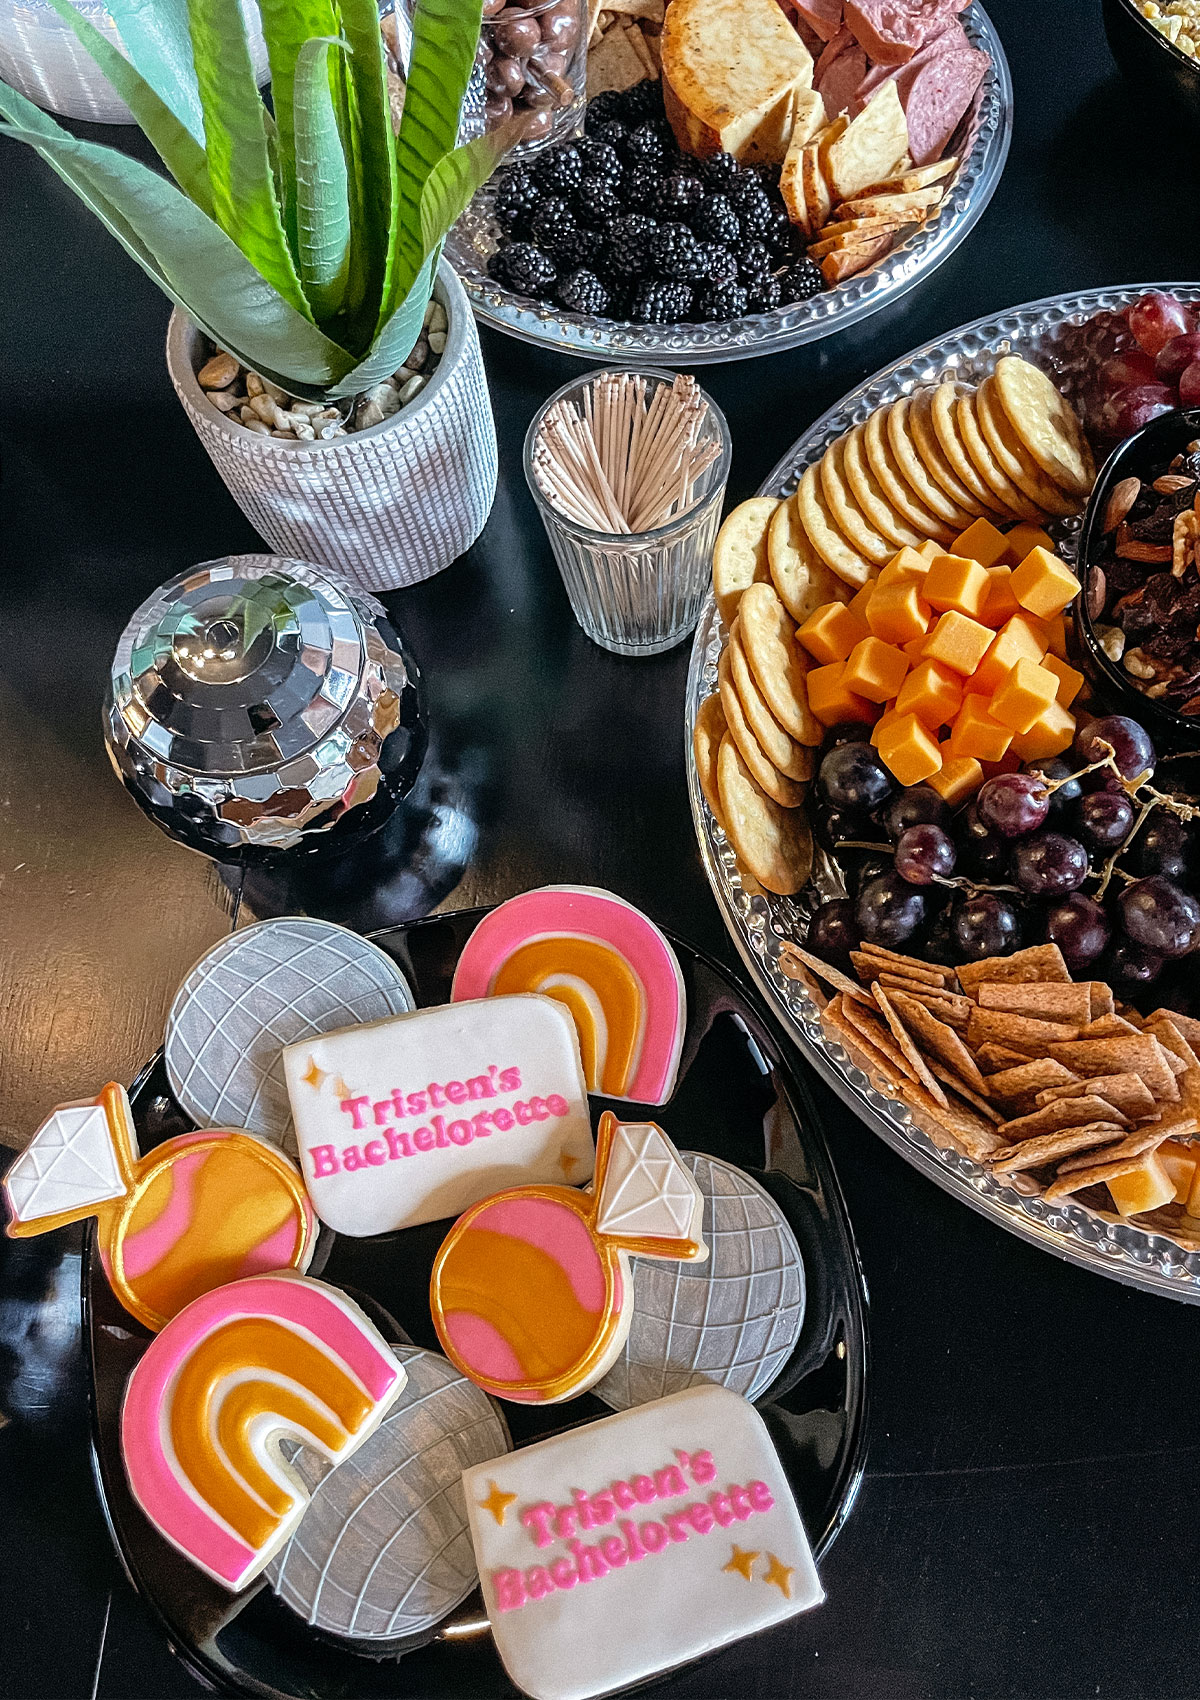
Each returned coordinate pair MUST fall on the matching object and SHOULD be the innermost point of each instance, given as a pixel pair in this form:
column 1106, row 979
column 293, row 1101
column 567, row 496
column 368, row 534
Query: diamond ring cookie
column 195, row 1212
column 383, row 1550
column 531, row 1292
column 734, row 1319
column 616, row 1551
column 256, row 991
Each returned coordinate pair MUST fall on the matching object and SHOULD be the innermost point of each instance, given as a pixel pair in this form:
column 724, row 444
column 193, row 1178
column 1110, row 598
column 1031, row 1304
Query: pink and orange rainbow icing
column 607, row 962
column 241, row 1369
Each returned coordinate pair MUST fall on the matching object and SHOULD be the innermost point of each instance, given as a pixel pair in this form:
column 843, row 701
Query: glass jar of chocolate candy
column 535, row 66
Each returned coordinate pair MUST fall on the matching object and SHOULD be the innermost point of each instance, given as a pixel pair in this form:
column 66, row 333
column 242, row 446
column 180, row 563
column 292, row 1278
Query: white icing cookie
column 415, row 1118
column 621, row 1549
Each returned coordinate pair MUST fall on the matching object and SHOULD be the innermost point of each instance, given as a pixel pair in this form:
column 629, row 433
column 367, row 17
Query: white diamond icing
column 647, row 1191
column 69, row 1162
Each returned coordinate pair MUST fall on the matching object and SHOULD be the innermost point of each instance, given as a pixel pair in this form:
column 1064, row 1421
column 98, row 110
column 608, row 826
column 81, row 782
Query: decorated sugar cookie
column 734, row 1319
column 197, row 1211
column 383, row 1550
column 610, row 966
column 218, row 1393
column 531, row 1291
column 616, row 1551
column 412, row 1119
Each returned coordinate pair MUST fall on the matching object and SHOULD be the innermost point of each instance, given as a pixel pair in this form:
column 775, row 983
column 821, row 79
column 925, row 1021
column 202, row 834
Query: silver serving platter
column 982, row 140
column 759, row 923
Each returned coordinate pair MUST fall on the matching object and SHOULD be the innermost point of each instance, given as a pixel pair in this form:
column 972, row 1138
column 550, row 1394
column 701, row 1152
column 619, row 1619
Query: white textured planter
column 388, row 506
column 45, row 61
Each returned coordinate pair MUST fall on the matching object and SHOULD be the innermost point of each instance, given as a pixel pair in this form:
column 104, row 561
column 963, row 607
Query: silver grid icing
column 733, row 1319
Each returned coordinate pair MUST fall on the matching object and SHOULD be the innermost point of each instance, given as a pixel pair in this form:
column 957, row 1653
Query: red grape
column 1156, row 318
column 832, row 933
column 1080, row 929
column 1175, row 356
column 923, row 852
column 1055, row 769
column 853, row 777
column 1132, row 366
column 919, row 805
column 1103, row 820
column 1159, row 915
column 1013, row 804
column 1131, row 746
column 888, row 911
column 1128, row 410
column 1189, row 385
column 1131, row 966
column 1049, row 864
column 985, row 925
column 1164, row 846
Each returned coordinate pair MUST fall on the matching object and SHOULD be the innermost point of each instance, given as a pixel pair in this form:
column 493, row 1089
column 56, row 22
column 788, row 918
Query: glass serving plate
column 981, row 140
column 759, row 923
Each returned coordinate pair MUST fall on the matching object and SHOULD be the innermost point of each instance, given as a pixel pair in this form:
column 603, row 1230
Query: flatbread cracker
column 803, row 580
column 774, row 844
column 941, row 1040
column 1018, row 1032
column 1067, row 1003
column 779, row 665
column 957, row 1125
column 613, row 64
column 865, row 1019
column 709, row 729
column 790, row 954
column 786, row 792
column 929, row 971
column 904, row 1039
column 1026, row 1078
column 1098, row 1175
column 1039, row 962
column 1064, row 1112
column 1125, row 1092
column 1046, row 424
column 1141, row 1055
column 1135, row 1144
column 1050, row 1147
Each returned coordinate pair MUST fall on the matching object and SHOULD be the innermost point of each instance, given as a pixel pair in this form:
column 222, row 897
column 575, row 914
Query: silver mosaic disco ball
column 258, row 707
column 383, row 1550
column 256, row 991
column 733, row 1319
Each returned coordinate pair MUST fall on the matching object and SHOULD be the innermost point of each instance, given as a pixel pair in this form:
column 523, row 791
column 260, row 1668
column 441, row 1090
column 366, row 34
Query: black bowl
column 1151, row 447
column 1159, row 72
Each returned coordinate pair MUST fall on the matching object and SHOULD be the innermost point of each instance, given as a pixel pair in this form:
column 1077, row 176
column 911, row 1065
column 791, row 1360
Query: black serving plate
column 1164, row 79
column 737, row 1098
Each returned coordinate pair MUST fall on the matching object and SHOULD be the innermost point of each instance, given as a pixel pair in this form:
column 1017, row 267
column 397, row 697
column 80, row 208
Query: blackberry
column 660, row 303
column 641, row 102
column 644, row 146
column 582, row 292
column 719, row 168
column 602, row 109
column 720, row 263
column 596, row 200
column 523, row 268
column 754, row 261
column 675, row 252
column 802, row 281
column 552, row 224
column 516, row 196
column 639, row 189
column 715, row 219
column 628, row 244
column 751, row 204
column 581, row 248
column 559, row 170
column 612, row 132
column 781, row 234
column 600, row 159
column 764, row 294
column 721, row 301
column 678, row 196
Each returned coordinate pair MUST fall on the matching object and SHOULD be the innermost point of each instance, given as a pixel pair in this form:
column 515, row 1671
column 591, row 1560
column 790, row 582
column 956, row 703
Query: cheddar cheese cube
column 981, row 542
column 909, row 750
column 1009, row 762
column 875, row 670
column 862, row 601
column 1044, row 584
column 953, row 581
column 932, row 692
column 930, row 549
column 1193, row 1199
column 1021, row 539
column 883, row 725
column 898, row 612
column 1001, row 604
column 1180, row 1161
column 1055, row 630
column 977, row 733
column 907, row 563
column 831, row 702
column 958, row 641
column 831, row 632
column 1015, row 641
column 1070, row 680
column 1147, row 1188
column 1051, row 733
column 958, row 778
column 1024, row 696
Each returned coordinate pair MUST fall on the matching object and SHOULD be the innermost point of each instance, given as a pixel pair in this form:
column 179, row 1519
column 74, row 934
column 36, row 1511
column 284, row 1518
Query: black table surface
column 1025, row 1528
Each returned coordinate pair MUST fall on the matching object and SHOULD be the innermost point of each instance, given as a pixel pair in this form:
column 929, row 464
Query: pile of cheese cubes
column 957, row 657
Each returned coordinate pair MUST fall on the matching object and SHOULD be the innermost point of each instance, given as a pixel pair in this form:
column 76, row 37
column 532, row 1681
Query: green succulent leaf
column 157, row 39
column 177, row 147
column 235, row 132
column 187, row 254
column 287, row 25
column 322, row 201
column 395, row 342
column 376, row 155
column 457, row 176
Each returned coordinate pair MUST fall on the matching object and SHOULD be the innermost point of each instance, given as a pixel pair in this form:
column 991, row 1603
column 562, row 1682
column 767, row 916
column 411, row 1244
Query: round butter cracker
column 920, row 423
column 773, row 843
column 871, row 497
column 883, row 463
column 1017, row 464
column 794, row 761
column 707, row 733
column 966, row 413
column 783, row 791
column 801, row 577
column 944, row 417
column 1046, row 423
column 851, row 520
column 825, row 536
column 778, row 663
column 740, row 552
column 912, row 465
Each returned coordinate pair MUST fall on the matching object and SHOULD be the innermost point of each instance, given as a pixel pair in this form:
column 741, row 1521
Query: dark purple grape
column 845, row 732
column 1079, row 927
column 1131, row 967
column 838, row 826
column 985, row 924
column 985, row 855
column 832, row 933
column 1049, row 864
column 1054, row 769
column 1130, row 742
column 919, row 805
column 860, row 868
column 1163, row 846
column 889, row 911
column 923, row 853
column 1103, row 820
column 1161, row 916
column 940, row 943
column 1013, row 804
column 853, row 777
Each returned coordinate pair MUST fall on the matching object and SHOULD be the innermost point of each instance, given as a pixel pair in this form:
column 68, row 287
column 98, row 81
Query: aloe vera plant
column 304, row 241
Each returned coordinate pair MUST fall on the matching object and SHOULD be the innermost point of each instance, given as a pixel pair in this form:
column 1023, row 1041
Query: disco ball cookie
column 212, row 1404
column 607, row 962
column 197, row 1211
column 532, row 1292
column 383, row 1550
column 734, row 1319
column 616, row 1551
column 256, row 991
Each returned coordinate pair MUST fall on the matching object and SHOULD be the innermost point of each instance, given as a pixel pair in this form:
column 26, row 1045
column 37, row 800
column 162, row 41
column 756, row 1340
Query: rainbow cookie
column 610, row 966
column 531, row 1291
column 614, row 1552
column 197, row 1211
column 241, row 1370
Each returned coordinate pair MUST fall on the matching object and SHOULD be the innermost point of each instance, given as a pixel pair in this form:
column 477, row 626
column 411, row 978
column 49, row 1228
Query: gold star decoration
column 780, row 1575
column 313, row 1076
column 496, row 1502
column 742, row 1562
column 340, row 1089
column 566, row 1163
